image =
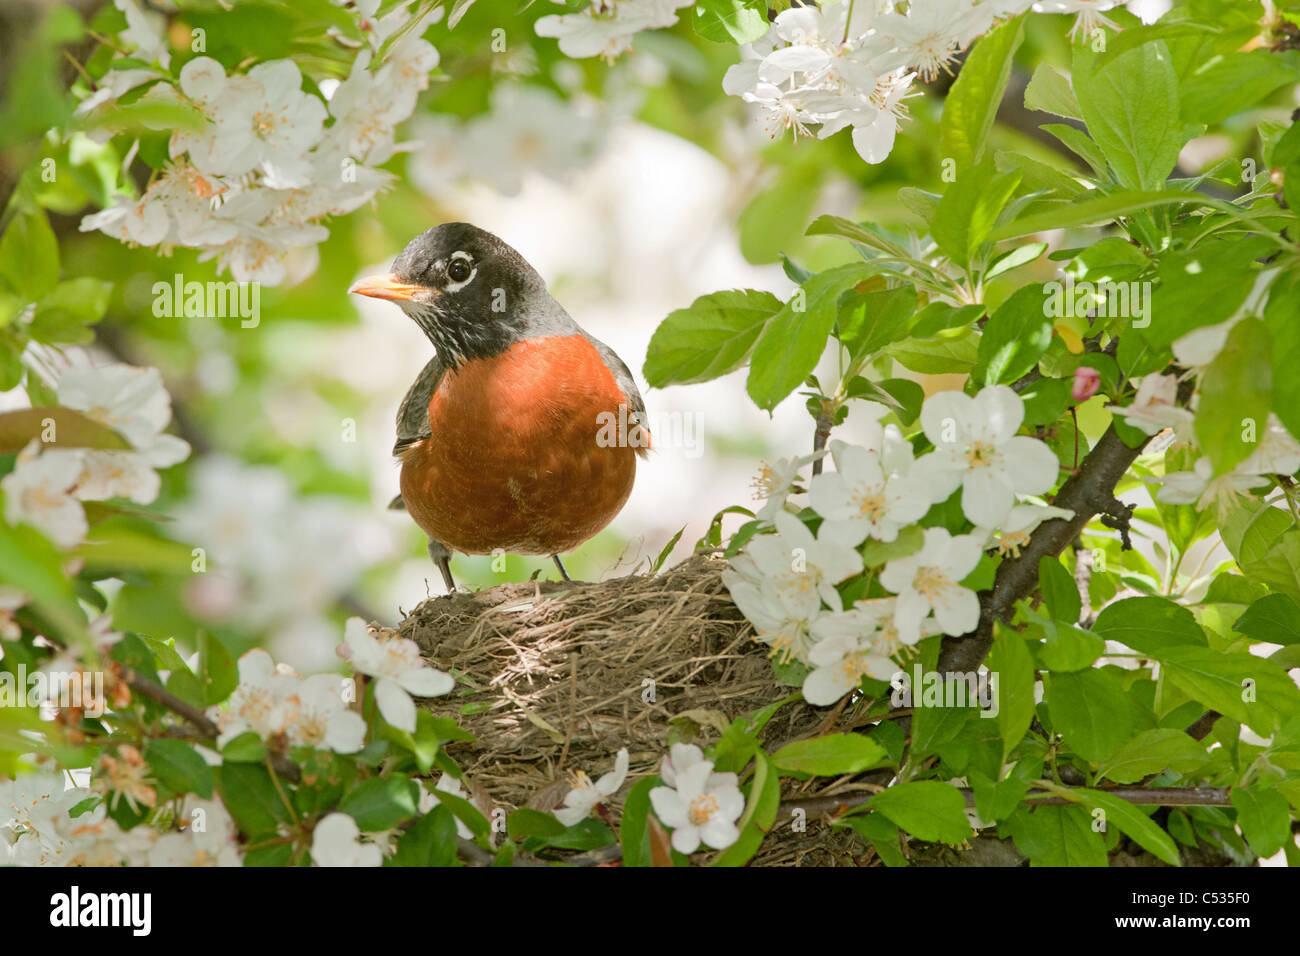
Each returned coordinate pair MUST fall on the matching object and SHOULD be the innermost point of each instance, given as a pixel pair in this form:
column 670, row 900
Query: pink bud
column 1086, row 383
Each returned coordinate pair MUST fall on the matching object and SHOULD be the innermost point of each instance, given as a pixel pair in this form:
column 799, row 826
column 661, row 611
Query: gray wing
column 623, row 376
column 413, row 414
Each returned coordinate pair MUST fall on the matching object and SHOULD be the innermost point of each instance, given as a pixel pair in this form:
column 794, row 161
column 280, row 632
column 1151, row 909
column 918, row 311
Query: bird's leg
column 442, row 558
column 563, row 573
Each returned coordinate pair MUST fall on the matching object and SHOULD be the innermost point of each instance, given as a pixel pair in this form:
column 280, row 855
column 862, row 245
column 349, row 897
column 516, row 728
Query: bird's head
column 471, row 293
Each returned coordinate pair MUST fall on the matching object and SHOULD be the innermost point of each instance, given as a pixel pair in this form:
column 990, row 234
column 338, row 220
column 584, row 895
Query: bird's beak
column 387, row 287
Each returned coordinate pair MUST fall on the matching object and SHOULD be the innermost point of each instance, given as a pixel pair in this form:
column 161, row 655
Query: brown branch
column 823, row 431
column 1087, row 493
column 143, row 686
column 475, row 855
column 155, row 692
column 1139, row 796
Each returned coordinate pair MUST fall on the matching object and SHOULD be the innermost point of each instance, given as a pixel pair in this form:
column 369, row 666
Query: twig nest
column 557, row 676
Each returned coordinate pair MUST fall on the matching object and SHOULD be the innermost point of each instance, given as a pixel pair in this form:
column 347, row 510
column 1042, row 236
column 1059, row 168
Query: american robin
column 522, row 432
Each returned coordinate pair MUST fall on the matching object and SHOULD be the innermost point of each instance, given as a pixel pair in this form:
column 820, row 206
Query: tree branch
column 1087, row 493
column 143, row 686
column 1140, row 796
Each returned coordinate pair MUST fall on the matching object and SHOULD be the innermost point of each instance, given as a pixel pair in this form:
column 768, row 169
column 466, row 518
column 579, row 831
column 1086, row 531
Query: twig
column 1140, row 796
column 824, row 425
column 1087, row 493
column 159, row 695
column 142, row 685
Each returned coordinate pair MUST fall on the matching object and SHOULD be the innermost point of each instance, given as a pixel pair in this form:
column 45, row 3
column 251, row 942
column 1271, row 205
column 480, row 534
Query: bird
column 521, row 435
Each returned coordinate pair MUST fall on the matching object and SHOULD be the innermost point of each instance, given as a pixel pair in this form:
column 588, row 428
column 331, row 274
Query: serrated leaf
column 711, row 337
column 927, row 809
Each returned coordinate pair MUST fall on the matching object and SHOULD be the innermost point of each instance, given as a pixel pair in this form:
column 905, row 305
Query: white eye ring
column 465, row 257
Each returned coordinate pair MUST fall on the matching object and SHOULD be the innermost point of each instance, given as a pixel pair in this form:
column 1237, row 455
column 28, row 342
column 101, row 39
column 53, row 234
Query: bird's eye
column 458, row 270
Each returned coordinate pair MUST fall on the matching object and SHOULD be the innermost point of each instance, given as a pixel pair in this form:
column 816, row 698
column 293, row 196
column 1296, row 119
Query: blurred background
column 633, row 186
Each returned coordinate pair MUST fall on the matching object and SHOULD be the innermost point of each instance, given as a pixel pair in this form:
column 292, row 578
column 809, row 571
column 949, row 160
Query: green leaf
column 1233, row 82
column 218, row 673
column 1037, row 176
column 1049, row 90
column 1056, row 836
column 882, row 835
column 1149, row 625
column 969, row 210
column 54, row 426
column 1236, row 396
column 996, row 800
column 1060, row 591
column 1264, row 817
column 829, row 756
column 431, row 842
column 633, row 826
column 872, row 320
column 939, row 317
column 1011, row 661
column 1251, row 531
column 731, row 21
column 863, row 234
column 248, row 747
column 381, row 803
column 1250, row 690
column 934, row 726
column 1089, row 212
column 1143, row 831
column 178, row 766
column 927, row 809
column 1279, row 566
column 794, row 339
column 1131, row 108
column 277, row 855
column 1282, row 314
column 1014, row 259
column 1152, row 751
column 587, row 834
column 1091, row 711
column 710, row 338
column 114, row 547
column 526, row 822
column 1078, row 142
column 250, row 795
column 759, row 816
column 464, row 811
column 1015, row 337
column 910, row 540
column 973, row 100
column 938, row 356
column 1069, row 648
column 29, row 256
column 75, row 303
column 1274, row 619
column 1199, row 288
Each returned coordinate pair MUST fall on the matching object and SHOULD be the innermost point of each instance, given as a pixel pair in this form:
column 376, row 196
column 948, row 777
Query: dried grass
column 555, row 677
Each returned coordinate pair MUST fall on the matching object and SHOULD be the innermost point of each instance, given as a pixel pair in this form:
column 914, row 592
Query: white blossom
column 701, row 806
column 336, row 841
column 929, row 581
column 605, row 28
column 870, row 494
column 586, row 793
column 976, row 448
column 398, row 669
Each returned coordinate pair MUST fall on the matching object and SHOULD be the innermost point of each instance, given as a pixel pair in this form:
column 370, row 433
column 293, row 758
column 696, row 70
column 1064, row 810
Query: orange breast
column 526, row 453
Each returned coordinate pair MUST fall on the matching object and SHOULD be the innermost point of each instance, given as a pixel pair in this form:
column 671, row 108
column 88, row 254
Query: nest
column 554, row 677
